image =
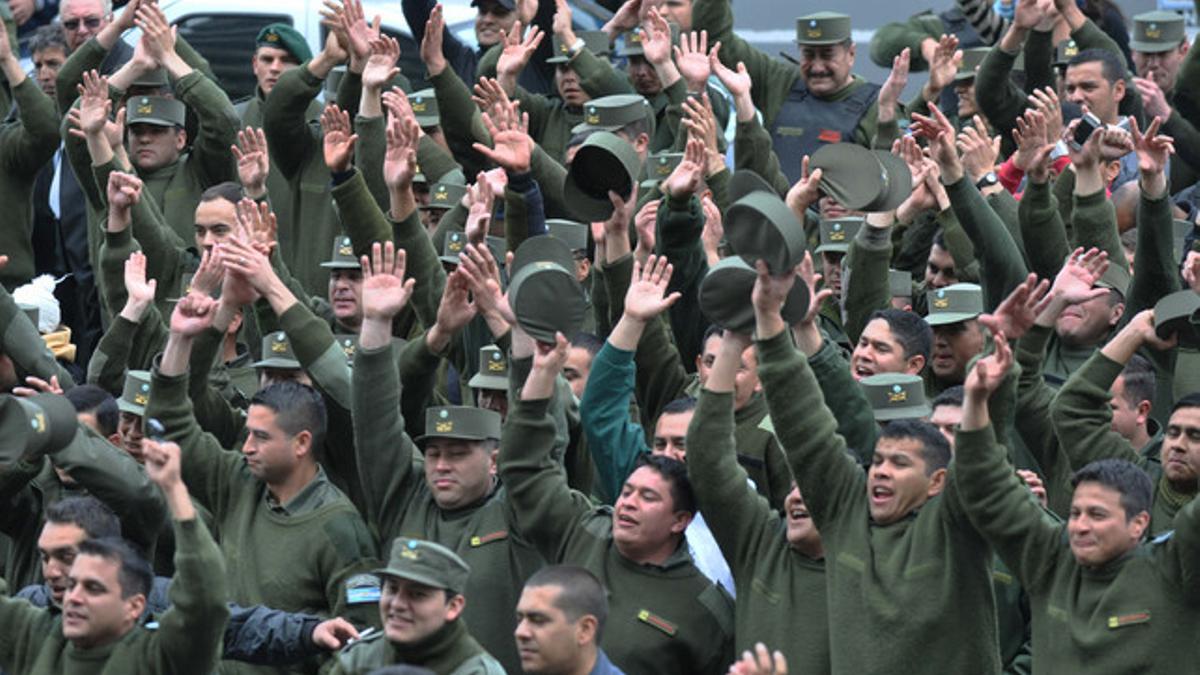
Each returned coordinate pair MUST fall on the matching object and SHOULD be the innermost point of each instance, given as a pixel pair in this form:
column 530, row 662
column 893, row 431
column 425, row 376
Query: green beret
column 283, row 36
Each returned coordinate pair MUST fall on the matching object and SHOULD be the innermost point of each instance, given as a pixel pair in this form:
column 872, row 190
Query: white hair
column 105, row 7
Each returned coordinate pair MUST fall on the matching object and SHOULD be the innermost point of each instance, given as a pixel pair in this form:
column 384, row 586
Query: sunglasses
column 91, row 22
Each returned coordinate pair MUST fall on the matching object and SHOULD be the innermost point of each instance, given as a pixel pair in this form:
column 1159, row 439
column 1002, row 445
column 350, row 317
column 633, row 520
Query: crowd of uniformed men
column 634, row 350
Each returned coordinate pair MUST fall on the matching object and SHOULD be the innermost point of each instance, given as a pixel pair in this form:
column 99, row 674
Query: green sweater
column 662, row 619
column 921, row 586
column 399, row 503
column 298, row 560
column 297, row 149
column 1083, row 423
column 781, row 592
column 449, row 651
column 26, row 145
column 1136, row 614
column 187, row 640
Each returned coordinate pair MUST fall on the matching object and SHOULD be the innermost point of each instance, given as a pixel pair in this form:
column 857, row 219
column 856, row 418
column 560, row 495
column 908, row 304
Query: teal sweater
column 912, row 589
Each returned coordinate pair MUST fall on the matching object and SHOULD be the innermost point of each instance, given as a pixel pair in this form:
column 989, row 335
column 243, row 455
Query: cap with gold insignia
column 426, row 563
column 573, row 233
column 425, row 108
column 444, row 195
column 35, row 425
column 862, row 180
column 455, row 244
column 610, row 113
column 1157, row 32
column 725, row 296
column 31, row 311
column 348, row 343
column 1064, row 52
column 155, row 110
column 462, row 423
column 632, row 44
column 277, row 353
column 493, row 370
column 343, row 257
column 900, row 283
column 1179, row 313
column 971, row 59
column 152, row 79
column 595, row 41
column 659, row 166
column 954, row 303
column 283, row 36
column 822, row 28
column 604, row 163
column 837, row 233
column 896, row 396
column 544, row 293
column 136, row 392
column 760, row 226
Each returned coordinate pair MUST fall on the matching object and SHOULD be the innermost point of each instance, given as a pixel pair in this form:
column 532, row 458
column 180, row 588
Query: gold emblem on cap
column 145, row 108
column 1153, row 31
column 140, row 399
column 837, row 235
column 345, row 250
column 279, row 347
column 38, row 422
column 897, row 395
column 444, row 427
column 272, row 37
column 941, row 303
column 814, row 29
column 419, row 106
column 410, row 554
column 593, row 118
column 496, row 366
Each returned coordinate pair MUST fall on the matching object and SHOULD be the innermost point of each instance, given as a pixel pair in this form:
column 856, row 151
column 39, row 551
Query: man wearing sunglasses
column 82, row 19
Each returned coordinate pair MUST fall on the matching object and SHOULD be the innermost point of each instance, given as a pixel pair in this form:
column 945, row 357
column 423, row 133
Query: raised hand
column 768, row 296
column 1045, row 101
column 193, row 314
column 644, row 223
column 138, row 288
column 253, row 161
column 691, row 58
column 37, row 385
column 685, row 179
column 381, row 63
column 617, row 224
column 339, row 139
column 157, row 32
column 1075, row 281
column 1191, row 270
column 124, row 191
column 701, row 122
column 210, row 274
column 1029, row 13
column 385, row 291
column 162, row 463
column 337, row 42
column 517, row 50
column 358, row 33
column 1153, row 149
column 714, row 229
column 816, row 295
column 625, row 19
column 646, row 297
column 805, row 192
column 431, row 44
column 1016, row 314
column 944, row 65
column 656, row 38
column 480, row 199
column 893, row 86
column 738, row 83
column 990, row 371
column 456, row 308
column 483, row 276
column 94, row 104
column 512, row 147
column 936, row 129
column 561, row 25
column 1088, row 154
column 1033, row 148
column 979, row 152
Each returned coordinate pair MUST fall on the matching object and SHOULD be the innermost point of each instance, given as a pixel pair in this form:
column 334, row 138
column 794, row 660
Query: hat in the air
column 760, row 226
column 544, row 293
column 725, row 296
column 1178, row 313
column 605, row 162
column 34, row 425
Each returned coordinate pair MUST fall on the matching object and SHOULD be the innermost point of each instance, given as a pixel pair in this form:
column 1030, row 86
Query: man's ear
column 1119, row 90
column 937, row 483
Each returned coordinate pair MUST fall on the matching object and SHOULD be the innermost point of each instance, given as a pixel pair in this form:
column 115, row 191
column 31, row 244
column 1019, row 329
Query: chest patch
column 1128, row 619
column 648, row 617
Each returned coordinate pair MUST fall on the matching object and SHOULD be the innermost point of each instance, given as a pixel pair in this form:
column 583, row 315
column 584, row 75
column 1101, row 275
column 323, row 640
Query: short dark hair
column 229, row 191
column 135, row 574
column 588, row 341
column 952, row 397
column 89, row 398
column 298, row 407
column 49, row 36
column 680, row 405
column 911, row 331
column 1123, row 476
column 675, row 473
column 713, row 329
column 1112, row 66
column 89, row 514
column 939, row 238
column 935, row 449
column 636, row 128
column 1191, row 400
column 580, row 593
column 1140, row 380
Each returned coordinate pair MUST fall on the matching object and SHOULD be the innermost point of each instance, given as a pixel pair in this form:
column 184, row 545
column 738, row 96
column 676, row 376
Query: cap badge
column 141, row 399
column 444, row 427
column 592, row 116
column 1152, row 31
column 38, row 423
column 144, row 107
column 272, row 37
column 279, row 347
column 897, row 395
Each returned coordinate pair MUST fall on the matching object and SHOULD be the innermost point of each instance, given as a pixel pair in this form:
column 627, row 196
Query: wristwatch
column 989, row 179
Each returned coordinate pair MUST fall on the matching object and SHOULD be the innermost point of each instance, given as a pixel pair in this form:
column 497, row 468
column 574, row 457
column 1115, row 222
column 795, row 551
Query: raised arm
column 289, row 134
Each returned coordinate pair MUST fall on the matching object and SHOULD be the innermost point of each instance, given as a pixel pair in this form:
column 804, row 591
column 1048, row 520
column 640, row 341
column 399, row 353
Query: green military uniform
column 663, row 618
column 26, row 144
column 400, row 502
column 450, row 650
column 187, row 639
column 800, row 123
column 301, row 556
column 1085, row 618
column 768, row 572
column 883, row 578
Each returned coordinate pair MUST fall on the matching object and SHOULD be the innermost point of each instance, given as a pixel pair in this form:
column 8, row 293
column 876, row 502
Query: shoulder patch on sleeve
column 362, row 588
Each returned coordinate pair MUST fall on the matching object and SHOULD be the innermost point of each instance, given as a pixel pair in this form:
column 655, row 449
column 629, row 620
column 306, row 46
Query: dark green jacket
column 187, row 640
column 1134, row 614
column 922, row 585
column 26, row 145
column 781, row 592
column 662, row 619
